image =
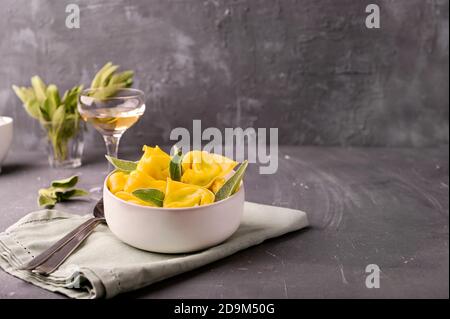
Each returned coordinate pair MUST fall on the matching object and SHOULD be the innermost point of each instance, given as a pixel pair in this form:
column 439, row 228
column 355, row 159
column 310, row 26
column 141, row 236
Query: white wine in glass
column 111, row 115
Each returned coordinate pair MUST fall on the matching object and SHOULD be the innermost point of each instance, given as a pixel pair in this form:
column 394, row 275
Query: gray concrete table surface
column 384, row 206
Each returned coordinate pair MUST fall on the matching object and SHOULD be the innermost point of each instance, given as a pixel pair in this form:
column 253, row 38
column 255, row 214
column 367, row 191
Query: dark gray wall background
column 308, row 67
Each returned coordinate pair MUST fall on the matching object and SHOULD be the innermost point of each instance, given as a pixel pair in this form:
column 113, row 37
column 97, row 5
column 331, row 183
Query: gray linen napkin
column 104, row 267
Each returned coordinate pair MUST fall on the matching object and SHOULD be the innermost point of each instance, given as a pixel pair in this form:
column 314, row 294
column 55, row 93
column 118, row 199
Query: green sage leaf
column 175, row 168
column 96, row 82
column 39, row 88
column 107, row 81
column 150, row 195
column 45, row 201
column 53, row 99
column 66, row 182
column 122, row 77
column 122, row 165
column 59, row 191
column 70, row 99
column 66, row 195
column 106, row 75
column 32, row 108
column 58, row 119
column 24, row 94
column 44, row 109
column 232, row 185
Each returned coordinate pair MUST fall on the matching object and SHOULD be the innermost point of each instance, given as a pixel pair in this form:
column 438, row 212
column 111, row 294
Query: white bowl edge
column 173, row 230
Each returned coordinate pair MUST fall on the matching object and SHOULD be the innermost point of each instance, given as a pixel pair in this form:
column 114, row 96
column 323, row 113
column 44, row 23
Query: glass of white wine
column 111, row 112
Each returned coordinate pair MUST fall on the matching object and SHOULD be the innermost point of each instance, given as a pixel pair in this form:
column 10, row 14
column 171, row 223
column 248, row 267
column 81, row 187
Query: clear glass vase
column 64, row 144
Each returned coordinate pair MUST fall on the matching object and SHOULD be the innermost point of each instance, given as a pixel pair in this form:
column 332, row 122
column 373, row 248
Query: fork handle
column 58, row 257
column 42, row 257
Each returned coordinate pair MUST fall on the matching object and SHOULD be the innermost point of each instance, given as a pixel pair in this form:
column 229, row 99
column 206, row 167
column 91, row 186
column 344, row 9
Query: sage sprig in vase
column 59, row 116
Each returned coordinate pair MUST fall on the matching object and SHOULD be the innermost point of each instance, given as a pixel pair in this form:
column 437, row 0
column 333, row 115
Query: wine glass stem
column 112, row 146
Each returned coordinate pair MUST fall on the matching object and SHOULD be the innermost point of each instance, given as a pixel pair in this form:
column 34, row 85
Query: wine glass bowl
column 111, row 113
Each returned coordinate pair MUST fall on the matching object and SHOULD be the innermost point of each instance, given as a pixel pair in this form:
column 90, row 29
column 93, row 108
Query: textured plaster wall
column 308, row 67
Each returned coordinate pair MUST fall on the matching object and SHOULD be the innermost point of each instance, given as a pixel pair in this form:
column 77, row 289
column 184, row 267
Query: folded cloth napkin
column 103, row 266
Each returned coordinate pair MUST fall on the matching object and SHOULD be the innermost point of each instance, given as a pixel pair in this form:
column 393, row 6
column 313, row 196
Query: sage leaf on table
column 175, row 168
column 45, row 201
column 232, row 184
column 122, row 165
column 66, row 195
column 66, row 182
column 60, row 191
column 150, row 195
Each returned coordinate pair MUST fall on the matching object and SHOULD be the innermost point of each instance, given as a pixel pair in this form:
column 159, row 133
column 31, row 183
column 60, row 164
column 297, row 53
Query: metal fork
column 49, row 260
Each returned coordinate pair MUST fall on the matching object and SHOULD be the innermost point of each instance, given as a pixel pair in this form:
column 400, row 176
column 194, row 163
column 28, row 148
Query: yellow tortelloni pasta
column 205, row 169
column 133, row 199
column 183, row 195
column 139, row 179
column 218, row 183
column 123, row 185
column 116, row 182
column 154, row 162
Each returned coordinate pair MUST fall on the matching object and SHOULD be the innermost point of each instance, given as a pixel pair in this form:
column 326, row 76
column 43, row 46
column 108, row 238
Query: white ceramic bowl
column 173, row 230
column 6, row 135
